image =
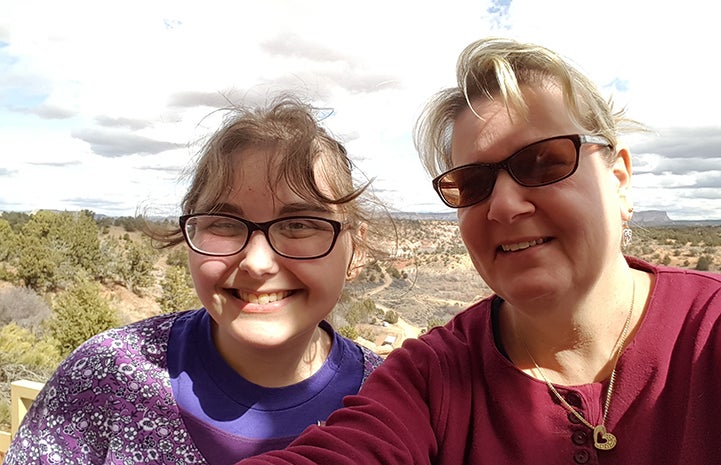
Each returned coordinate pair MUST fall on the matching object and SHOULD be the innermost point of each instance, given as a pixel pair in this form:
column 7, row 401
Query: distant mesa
column 652, row 218
column 645, row 218
column 660, row 218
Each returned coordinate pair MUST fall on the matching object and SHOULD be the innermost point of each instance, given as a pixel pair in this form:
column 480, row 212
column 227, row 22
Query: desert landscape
column 421, row 277
column 427, row 277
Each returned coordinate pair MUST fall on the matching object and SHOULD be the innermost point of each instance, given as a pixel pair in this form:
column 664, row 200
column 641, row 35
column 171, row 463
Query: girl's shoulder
column 110, row 398
column 371, row 361
column 140, row 344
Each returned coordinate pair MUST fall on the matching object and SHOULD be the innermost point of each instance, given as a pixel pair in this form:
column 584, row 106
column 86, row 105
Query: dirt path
column 387, row 280
column 408, row 329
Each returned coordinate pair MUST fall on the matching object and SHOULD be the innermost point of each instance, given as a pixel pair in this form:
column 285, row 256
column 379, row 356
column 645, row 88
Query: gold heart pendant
column 603, row 440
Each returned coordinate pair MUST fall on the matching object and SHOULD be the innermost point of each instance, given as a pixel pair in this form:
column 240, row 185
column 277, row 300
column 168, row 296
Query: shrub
column 140, row 261
column 178, row 293
column 434, row 321
column 360, row 312
column 348, row 331
column 704, row 263
column 22, row 306
column 128, row 263
column 23, row 355
column 393, row 272
column 391, row 317
column 178, row 256
column 78, row 314
column 21, row 347
column 7, row 240
column 37, row 264
column 16, row 220
column 53, row 248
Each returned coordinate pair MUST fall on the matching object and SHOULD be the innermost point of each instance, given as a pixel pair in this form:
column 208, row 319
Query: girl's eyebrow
column 286, row 209
column 228, row 208
column 296, row 207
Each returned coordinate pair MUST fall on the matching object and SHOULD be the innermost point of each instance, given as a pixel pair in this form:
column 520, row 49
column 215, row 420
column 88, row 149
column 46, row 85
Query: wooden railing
column 22, row 395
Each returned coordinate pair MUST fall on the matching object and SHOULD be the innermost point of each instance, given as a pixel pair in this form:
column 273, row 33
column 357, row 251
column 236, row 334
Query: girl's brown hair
column 303, row 155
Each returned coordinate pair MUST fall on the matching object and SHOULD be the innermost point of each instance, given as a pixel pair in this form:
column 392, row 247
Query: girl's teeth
column 263, row 298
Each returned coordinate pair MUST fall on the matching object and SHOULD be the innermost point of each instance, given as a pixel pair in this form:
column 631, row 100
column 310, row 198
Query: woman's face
column 541, row 242
column 258, row 299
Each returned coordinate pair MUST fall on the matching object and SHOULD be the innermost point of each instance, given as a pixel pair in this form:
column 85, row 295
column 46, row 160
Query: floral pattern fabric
column 110, row 402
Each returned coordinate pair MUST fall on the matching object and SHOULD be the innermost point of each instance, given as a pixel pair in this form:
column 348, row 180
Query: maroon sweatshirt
column 451, row 397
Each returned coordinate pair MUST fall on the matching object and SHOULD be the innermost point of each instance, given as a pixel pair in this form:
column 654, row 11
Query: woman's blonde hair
column 496, row 68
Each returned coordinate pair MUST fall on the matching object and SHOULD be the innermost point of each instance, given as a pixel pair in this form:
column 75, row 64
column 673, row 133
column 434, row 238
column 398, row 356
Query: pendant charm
column 627, row 237
column 603, row 440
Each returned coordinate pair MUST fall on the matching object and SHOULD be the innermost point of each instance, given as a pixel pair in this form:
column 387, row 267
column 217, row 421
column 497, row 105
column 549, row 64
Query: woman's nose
column 508, row 200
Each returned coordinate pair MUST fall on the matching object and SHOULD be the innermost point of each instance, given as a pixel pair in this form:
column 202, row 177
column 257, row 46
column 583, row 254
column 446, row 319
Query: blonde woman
column 582, row 355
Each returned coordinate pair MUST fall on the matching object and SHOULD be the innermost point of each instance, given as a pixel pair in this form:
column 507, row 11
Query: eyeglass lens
column 538, row 164
column 299, row 237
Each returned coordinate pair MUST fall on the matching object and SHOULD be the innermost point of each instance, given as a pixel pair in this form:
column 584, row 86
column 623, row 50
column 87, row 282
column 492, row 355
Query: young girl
column 274, row 227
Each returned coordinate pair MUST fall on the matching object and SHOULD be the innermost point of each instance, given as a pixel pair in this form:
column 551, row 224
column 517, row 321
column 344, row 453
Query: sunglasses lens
column 466, row 185
column 544, row 163
column 539, row 164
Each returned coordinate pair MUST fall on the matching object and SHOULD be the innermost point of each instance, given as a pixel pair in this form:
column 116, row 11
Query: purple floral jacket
column 110, row 402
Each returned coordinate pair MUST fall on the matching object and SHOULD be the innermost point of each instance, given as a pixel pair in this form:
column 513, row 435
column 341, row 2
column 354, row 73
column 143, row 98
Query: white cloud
column 119, row 88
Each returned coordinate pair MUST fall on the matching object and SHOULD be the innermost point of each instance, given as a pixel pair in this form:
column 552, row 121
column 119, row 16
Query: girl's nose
column 258, row 257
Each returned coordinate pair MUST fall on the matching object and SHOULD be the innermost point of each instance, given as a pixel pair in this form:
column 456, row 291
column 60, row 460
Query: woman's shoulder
column 694, row 281
column 468, row 324
column 681, row 300
column 676, row 279
column 458, row 342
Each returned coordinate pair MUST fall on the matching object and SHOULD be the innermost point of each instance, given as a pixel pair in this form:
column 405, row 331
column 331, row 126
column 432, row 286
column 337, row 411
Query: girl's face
column 258, row 299
column 534, row 244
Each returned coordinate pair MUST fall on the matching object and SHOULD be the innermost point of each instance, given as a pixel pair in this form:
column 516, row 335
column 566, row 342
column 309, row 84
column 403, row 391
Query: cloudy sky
column 102, row 102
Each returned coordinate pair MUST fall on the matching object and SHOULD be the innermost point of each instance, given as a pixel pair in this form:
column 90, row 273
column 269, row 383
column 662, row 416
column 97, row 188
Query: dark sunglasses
column 538, row 164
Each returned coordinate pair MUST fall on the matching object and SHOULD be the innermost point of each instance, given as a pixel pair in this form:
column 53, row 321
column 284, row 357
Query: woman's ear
column 355, row 266
column 622, row 171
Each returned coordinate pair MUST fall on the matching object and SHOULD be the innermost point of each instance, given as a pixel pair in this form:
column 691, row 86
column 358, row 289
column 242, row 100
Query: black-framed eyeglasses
column 298, row 237
column 538, row 164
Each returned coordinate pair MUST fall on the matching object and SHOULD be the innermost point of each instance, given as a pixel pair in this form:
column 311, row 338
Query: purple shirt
column 236, row 418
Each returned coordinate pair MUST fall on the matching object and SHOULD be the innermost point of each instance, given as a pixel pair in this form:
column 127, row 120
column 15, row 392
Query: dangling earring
column 627, row 234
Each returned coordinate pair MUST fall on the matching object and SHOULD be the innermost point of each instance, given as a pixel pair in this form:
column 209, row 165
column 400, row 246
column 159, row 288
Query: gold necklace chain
column 602, row 439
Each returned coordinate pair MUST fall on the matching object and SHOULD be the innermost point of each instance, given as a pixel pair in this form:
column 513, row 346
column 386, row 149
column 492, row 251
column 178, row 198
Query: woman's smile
column 523, row 245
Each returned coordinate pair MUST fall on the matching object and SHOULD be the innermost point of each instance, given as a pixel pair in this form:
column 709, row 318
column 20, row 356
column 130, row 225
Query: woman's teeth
column 520, row 245
column 263, row 298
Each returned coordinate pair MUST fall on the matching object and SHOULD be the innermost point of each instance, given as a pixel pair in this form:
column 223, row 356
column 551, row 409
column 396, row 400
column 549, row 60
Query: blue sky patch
column 618, row 84
column 498, row 12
